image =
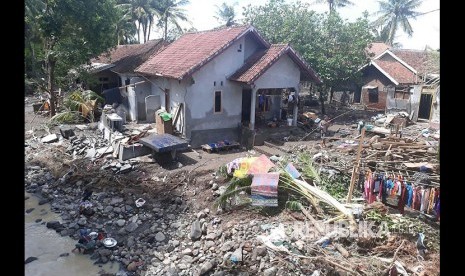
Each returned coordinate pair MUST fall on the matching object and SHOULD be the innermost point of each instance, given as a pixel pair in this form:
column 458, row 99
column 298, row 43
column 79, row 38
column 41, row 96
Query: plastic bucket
column 289, row 122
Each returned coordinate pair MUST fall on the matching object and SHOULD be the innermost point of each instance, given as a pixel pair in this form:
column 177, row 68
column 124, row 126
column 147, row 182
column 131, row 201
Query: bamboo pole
column 355, row 171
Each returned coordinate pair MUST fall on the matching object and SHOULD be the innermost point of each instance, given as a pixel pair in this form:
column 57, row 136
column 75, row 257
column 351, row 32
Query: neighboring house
column 114, row 69
column 390, row 80
column 216, row 81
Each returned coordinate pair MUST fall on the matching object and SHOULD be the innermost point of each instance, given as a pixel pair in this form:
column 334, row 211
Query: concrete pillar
column 252, row 108
column 294, row 116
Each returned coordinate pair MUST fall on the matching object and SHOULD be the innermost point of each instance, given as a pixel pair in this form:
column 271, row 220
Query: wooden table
column 161, row 143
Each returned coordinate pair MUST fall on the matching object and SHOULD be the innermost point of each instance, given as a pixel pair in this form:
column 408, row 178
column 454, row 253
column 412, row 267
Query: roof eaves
column 304, row 64
column 250, row 29
column 269, row 64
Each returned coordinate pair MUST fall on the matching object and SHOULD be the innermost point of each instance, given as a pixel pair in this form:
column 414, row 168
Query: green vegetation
column 333, row 47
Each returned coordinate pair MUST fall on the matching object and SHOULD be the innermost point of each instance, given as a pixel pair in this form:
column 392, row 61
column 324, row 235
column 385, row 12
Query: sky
column 425, row 28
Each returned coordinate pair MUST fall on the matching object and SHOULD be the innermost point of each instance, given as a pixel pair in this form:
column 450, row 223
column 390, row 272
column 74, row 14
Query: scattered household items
column 140, row 202
column 109, row 242
column 264, row 189
column 220, row 146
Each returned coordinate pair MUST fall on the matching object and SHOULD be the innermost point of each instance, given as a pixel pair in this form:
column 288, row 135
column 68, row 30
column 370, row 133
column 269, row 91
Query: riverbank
column 53, row 251
column 179, row 231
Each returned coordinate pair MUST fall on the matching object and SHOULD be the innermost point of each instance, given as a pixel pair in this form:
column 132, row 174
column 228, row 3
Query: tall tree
column 334, row 4
column 126, row 29
column 226, row 14
column 171, row 11
column 334, row 47
column 74, row 31
column 395, row 13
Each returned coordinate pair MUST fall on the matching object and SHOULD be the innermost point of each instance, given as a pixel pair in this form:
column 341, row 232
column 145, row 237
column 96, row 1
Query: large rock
column 209, row 244
column 132, row 266
column 116, row 200
column 43, row 201
column 120, row 222
column 131, row 226
column 66, row 132
column 82, row 221
column 50, row 138
column 270, row 271
column 53, row 224
column 104, row 252
column 206, row 267
column 160, row 237
column 108, row 209
column 210, row 236
column 196, row 231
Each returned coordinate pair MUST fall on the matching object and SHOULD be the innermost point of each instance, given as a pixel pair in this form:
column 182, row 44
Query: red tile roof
column 127, row 57
column 192, row 50
column 418, row 59
column 259, row 62
column 377, row 48
column 397, row 71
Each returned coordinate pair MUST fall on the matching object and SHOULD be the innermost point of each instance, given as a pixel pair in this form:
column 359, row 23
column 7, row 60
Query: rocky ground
column 178, row 231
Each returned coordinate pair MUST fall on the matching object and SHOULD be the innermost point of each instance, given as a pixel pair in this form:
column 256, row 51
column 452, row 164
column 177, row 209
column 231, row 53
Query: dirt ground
column 190, row 176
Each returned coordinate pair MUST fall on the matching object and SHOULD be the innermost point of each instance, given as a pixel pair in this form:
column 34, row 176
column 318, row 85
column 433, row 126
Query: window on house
column 103, row 79
column 240, row 48
column 218, row 107
column 373, row 95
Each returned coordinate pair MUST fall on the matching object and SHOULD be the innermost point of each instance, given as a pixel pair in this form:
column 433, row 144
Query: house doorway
column 357, row 95
column 424, row 111
column 167, row 100
column 246, row 102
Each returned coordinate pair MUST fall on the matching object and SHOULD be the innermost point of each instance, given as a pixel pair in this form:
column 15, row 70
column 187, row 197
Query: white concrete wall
column 200, row 110
column 284, row 73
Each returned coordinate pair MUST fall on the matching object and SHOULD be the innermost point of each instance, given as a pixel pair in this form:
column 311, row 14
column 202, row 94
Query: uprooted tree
column 70, row 32
column 334, row 47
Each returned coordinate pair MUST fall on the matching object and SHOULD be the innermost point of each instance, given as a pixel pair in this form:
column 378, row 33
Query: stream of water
column 47, row 245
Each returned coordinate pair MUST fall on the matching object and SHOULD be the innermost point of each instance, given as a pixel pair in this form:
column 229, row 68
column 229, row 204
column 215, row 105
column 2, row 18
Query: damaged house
column 113, row 71
column 216, row 81
column 399, row 80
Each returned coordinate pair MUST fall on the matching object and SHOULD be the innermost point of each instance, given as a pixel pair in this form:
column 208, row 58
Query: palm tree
column 394, row 13
column 125, row 28
column 226, row 14
column 333, row 4
column 171, row 11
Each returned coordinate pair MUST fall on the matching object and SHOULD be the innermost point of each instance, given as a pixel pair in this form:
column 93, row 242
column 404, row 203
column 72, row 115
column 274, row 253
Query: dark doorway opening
column 246, row 102
column 357, row 95
column 424, row 111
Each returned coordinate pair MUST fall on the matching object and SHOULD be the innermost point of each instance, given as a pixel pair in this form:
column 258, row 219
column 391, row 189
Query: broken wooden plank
column 342, row 250
column 317, row 225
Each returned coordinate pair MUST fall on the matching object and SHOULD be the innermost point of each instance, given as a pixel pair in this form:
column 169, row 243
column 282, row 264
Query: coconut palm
column 226, row 14
column 395, row 13
column 334, row 4
column 125, row 28
column 171, row 11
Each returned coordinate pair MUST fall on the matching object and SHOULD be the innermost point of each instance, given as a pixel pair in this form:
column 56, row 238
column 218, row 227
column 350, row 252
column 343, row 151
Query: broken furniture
column 162, row 143
column 220, row 146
